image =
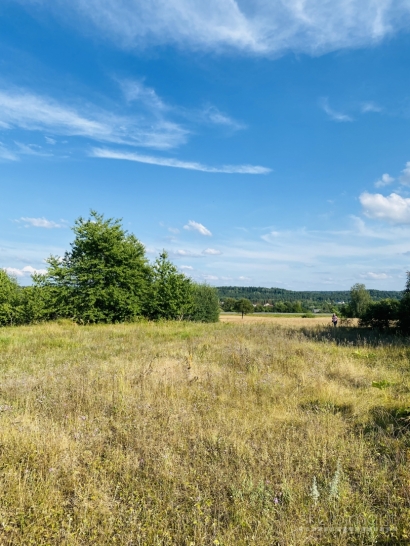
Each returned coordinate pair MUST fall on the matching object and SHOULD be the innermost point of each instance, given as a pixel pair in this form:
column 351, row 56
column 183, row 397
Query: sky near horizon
column 261, row 143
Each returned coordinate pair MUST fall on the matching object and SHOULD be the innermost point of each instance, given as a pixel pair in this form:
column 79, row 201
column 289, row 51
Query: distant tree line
column 296, row 306
column 105, row 278
column 308, row 299
column 379, row 314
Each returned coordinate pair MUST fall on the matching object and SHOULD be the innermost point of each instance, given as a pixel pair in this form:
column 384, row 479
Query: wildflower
column 315, row 491
column 334, row 486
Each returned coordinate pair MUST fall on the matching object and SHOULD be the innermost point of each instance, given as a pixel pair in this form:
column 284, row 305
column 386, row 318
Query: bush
column 170, row 293
column 10, row 292
column 404, row 314
column 205, row 303
column 381, row 314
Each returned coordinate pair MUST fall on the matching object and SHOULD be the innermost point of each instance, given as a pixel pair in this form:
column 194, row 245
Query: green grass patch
column 195, row 434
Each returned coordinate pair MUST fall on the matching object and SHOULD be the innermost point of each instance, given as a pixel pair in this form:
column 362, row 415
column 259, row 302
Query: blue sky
column 262, row 143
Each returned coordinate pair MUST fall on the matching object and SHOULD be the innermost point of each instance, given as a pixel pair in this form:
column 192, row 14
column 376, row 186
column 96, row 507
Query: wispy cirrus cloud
column 212, row 115
column 30, row 112
column 405, row 175
column 153, row 127
column 209, row 277
column 177, row 163
column 333, row 114
column 368, row 107
column 257, row 26
column 196, row 226
column 182, row 253
column 41, row 223
column 374, row 276
column 137, row 92
column 211, row 252
column 7, row 154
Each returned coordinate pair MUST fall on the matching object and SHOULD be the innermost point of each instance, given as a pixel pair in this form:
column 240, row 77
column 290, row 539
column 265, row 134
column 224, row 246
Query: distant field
column 265, row 432
column 288, row 319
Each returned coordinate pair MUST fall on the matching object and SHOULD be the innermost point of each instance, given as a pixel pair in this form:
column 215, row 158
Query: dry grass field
column 286, row 320
column 265, row 433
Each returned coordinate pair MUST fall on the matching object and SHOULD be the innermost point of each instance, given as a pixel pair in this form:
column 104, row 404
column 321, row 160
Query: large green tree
column 103, row 278
column 360, row 300
column 171, row 295
column 10, row 300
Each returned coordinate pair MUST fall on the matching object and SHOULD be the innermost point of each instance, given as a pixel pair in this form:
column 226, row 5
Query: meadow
column 254, row 432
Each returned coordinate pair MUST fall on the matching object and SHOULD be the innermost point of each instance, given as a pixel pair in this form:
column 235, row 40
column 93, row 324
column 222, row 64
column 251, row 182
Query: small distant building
column 267, row 305
column 316, row 310
column 340, row 302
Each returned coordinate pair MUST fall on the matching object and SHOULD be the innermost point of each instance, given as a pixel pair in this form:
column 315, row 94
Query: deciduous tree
column 243, row 306
column 103, row 278
column 171, row 295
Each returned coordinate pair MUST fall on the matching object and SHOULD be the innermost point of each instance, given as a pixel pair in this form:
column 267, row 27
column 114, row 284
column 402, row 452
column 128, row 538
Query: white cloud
column 210, row 277
column 184, row 253
column 375, row 276
column 187, row 267
column 259, row 26
column 333, row 114
column 195, row 226
column 385, row 180
column 31, row 149
column 211, row 252
column 24, row 272
column 137, row 91
column 169, row 162
column 50, row 140
column 243, row 278
column 40, row 223
column 173, row 230
column 370, row 107
column 211, row 114
column 7, row 154
column 394, row 208
column 405, row 175
column 39, row 113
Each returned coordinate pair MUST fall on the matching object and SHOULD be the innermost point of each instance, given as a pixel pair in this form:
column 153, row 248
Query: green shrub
column 381, row 314
column 10, row 300
column 206, row 303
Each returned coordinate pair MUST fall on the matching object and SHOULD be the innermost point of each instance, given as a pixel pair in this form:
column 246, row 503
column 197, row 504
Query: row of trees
column 229, row 304
column 316, row 298
column 379, row 314
column 105, row 277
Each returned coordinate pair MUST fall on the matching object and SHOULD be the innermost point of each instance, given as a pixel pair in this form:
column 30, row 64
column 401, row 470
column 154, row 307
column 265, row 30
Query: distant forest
column 260, row 295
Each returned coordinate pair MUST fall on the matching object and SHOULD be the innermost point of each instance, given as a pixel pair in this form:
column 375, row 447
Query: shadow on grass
column 356, row 337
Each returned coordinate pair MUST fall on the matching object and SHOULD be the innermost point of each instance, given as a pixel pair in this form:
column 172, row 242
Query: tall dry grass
column 189, row 434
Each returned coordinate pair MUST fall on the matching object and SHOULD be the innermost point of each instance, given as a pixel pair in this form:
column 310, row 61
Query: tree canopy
column 106, row 277
column 171, row 293
column 243, row 306
column 103, row 278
